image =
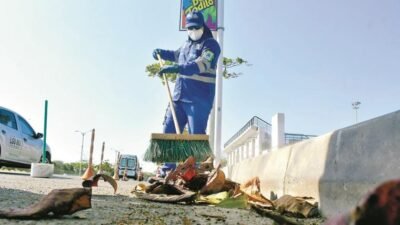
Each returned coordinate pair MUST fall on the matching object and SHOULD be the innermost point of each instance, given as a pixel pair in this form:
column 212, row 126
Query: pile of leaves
column 188, row 184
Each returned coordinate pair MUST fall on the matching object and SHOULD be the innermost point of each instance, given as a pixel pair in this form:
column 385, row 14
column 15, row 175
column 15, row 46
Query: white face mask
column 195, row 34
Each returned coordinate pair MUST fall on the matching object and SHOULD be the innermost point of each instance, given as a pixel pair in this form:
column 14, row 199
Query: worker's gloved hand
column 169, row 69
column 155, row 52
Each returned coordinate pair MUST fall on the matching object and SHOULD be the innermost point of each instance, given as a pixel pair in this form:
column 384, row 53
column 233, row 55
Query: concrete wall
column 337, row 168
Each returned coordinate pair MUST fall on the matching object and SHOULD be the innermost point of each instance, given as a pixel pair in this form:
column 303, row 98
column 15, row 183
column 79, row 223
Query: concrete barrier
column 42, row 170
column 337, row 168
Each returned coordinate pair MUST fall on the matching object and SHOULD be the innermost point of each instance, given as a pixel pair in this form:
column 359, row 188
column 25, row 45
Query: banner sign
column 207, row 7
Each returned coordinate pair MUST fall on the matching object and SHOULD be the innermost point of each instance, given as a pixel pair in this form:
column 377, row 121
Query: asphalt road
column 18, row 190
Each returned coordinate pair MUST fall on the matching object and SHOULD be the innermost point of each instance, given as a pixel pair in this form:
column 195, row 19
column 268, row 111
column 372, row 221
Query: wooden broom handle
column 171, row 104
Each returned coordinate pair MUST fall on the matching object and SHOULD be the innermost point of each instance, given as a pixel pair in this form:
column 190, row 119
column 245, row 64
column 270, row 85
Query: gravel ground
column 18, row 190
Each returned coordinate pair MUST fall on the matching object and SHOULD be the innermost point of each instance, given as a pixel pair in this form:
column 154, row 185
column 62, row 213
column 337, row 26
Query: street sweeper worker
column 195, row 64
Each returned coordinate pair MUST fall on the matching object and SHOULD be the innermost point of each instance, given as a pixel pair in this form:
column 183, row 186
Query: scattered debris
column 197, row 182
column 215, row 182
column 185, row 170
column 206, row 166
column 381, row 206
column 252, row 189
column 276, row 216
column 237, row 202
column 213, row 199
column 296, row 206
column 57, row 203
column 60, row 201
column 186, row 197
column 93, row 181
column 208, row 185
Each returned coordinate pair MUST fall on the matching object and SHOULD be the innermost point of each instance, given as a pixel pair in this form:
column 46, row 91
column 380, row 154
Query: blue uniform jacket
column 197, row 62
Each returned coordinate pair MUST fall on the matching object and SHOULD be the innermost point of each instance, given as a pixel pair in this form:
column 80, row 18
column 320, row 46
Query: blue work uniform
column 195, row 84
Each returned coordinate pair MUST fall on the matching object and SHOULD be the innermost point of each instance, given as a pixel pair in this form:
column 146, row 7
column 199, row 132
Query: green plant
column 228, row 63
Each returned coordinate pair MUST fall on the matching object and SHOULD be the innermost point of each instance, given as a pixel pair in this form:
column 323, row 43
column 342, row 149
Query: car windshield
column 131, row 162
column 128, row 162
column 7, row 118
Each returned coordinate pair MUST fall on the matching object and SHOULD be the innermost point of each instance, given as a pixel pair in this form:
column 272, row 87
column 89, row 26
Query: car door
column 32, row 144
column 12, row 149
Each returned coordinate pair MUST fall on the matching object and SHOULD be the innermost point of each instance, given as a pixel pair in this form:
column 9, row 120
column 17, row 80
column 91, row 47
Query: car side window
column 7, row 118
column 25, row 127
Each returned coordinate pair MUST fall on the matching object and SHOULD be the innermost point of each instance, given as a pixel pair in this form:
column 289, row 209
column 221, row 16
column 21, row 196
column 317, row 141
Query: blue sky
column 310, row 60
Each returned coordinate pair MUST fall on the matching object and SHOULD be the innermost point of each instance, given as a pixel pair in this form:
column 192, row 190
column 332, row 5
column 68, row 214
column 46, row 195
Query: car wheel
column 48, row 158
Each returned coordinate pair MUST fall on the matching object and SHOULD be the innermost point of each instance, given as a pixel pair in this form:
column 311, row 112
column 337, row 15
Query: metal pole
column 91, row 150
column 45, row 132
column 211, row 127
column 83, row 139
column 80, row 164
column 356, row 106
column 101, row 159
column 218, row 88
column 356, row 115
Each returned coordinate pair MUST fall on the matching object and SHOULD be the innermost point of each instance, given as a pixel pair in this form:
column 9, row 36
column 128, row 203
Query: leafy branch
column 228, row 63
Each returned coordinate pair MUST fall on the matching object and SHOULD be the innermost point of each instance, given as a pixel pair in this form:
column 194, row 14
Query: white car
column 20, row 145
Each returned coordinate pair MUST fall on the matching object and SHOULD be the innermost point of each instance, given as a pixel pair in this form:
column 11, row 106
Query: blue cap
column 194, row 19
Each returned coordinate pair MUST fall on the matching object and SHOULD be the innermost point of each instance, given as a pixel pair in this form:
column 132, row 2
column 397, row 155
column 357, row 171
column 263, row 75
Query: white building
column 259, row 137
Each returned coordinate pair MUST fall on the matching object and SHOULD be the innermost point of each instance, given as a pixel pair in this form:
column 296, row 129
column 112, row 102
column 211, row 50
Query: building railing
column 256, row 122
column 291, row 138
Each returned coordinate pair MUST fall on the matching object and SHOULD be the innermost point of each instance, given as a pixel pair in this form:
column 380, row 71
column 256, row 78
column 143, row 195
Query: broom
column 176, row 147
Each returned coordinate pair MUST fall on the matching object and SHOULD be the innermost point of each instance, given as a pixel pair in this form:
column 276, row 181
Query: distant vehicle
column 20, row 145
column 130, row 165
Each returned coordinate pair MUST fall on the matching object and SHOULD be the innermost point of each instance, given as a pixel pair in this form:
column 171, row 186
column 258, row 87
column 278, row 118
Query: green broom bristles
column 177, row 150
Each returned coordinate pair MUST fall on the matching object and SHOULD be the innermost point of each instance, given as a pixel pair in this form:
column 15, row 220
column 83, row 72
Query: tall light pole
column 83, row 138
column 356, row 106
column 218, row 86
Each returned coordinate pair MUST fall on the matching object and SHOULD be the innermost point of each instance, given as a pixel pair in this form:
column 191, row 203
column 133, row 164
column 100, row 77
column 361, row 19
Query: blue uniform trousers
column 193, row 114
